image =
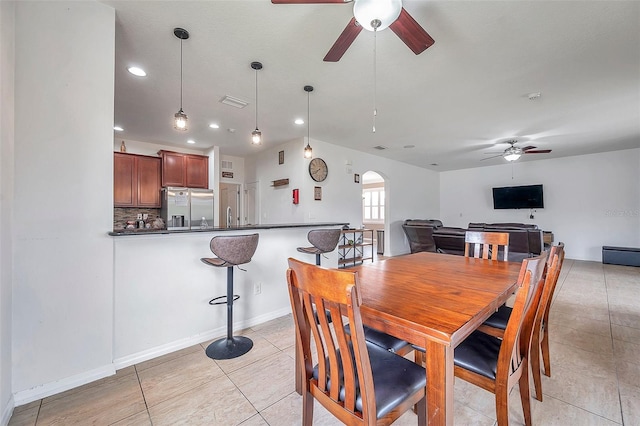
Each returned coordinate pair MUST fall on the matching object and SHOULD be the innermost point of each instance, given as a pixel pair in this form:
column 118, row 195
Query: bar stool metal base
column 228, row 348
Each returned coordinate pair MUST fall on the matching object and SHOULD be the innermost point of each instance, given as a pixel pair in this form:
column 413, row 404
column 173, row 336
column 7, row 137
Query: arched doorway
column 373, row 208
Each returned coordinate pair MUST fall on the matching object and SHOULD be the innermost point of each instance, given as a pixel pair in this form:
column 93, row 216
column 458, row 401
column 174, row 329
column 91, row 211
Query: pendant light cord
column 256, row 99
column 308, row 117
column 375, row 79
column 180, row 74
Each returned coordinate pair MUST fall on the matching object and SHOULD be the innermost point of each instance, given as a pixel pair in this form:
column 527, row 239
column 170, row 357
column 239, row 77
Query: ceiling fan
column 374, row 15
column 512, row 153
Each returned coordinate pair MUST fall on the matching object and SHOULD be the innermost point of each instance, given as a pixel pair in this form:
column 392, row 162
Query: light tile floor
column 595, row 342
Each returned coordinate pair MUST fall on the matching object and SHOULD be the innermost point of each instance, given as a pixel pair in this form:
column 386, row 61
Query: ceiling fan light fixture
column 385, row 12
column 512, row 153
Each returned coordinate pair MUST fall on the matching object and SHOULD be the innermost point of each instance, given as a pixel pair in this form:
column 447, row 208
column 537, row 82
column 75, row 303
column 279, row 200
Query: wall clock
column 318, row 169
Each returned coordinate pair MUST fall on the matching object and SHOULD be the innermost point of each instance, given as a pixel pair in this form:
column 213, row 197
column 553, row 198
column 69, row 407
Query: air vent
column 234, row 102
column 380, row 147
column 227, row 165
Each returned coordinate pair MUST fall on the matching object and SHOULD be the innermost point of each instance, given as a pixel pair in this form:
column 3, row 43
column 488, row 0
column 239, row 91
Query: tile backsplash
column 122, row 214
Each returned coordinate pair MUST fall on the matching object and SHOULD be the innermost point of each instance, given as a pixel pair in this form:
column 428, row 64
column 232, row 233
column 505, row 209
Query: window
column 373, row 204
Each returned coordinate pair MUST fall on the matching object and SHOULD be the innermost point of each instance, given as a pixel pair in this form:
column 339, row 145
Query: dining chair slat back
column 484, row 244
column 544, row 326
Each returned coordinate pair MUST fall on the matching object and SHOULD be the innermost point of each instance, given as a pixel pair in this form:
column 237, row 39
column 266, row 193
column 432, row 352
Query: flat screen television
column 518, row 197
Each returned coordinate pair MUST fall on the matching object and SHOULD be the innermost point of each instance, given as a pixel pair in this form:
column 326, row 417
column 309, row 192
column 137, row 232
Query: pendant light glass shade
column 180, row 119
column 383, row 11
column 256, row 135
column 308, row 151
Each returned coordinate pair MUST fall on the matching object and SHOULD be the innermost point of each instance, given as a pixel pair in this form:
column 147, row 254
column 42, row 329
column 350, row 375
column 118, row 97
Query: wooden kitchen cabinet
column 136, row 181
column 188, row 170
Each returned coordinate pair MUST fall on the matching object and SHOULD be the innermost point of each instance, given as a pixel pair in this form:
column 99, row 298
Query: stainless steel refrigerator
column 201, row 215
column 187, row 208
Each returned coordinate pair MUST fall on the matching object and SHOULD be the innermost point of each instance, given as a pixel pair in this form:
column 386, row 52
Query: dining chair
column 482, row 244
column 358, row 382
column 496, row 365
column 496, row 324
column 544, row 326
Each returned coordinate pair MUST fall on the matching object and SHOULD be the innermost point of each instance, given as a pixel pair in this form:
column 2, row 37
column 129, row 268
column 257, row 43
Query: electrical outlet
column 257, row 288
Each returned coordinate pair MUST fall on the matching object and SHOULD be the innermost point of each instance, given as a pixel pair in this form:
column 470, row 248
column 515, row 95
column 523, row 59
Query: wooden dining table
column 435, row 301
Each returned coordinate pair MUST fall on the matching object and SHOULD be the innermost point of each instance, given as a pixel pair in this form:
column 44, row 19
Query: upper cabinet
column 188, row 170
column 136, row 181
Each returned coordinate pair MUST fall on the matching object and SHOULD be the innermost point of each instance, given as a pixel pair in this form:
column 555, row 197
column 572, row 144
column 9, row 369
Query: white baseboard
column 48, row 389
column 7, row 411
column 176, row 345
column 43, row 391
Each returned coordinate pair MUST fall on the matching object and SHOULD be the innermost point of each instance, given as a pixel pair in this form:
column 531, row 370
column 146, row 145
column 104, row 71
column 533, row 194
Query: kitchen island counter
column 137, row 231
column 162, row 289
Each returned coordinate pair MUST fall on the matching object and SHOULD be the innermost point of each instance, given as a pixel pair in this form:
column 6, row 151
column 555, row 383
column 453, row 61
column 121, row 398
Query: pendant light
column 308, row 151
column 180, row 118
column 256, row 135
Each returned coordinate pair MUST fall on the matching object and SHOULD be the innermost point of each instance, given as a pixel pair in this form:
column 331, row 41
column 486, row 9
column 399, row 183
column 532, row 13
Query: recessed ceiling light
column 299, row 121
column 214, row 126
column 434, row 164
column 231, row 130
column 137, row 71
column 191, row 141
column 118, row 128
column 409, row 146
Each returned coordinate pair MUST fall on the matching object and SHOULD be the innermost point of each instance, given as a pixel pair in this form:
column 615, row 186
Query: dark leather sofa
column 525, row 240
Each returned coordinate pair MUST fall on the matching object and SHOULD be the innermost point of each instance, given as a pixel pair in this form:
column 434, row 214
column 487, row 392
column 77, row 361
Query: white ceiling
column 455, row 102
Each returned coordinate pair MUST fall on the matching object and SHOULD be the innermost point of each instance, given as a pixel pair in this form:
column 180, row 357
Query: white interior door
column 252, row 215
column 229, row 204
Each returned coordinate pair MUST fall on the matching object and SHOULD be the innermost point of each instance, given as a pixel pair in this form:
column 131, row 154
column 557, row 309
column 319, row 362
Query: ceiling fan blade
column 308, row 1
column 489, row 158
column 411, row 33
column 343, row 42
column 527, row 148
column 538, row 151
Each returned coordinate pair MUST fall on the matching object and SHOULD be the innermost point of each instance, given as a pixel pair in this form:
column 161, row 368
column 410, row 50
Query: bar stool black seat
column 323, row 241
column 231, row 251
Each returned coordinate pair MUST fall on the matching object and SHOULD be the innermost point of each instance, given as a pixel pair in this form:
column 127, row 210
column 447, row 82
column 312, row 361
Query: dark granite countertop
column 123, row 232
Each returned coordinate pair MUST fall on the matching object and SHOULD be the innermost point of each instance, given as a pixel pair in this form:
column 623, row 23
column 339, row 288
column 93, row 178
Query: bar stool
column 323, row 241
column 231, row 251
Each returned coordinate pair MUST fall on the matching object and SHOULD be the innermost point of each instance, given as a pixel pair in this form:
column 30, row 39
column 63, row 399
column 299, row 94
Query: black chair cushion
column 394, row 379
column 478, row 353
column 500, row 318
column 384, row 340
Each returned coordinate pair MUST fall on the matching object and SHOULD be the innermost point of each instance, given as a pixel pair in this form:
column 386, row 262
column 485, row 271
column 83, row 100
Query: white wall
column 590, row 200
column 411, row 192
column 7, row 60
column 63, row 258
